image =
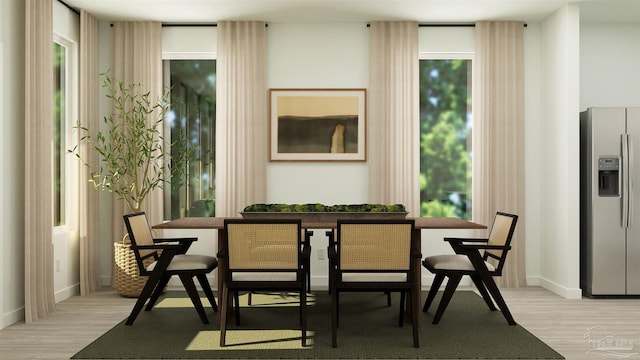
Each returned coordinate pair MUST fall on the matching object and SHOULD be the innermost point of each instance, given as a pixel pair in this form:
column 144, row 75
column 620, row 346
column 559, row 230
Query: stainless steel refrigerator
column 610, row 202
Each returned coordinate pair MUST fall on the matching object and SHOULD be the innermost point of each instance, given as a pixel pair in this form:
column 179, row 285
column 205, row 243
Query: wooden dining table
column 217, row 223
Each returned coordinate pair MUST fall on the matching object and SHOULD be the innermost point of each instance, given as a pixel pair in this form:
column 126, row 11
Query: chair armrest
column 307, row 236
column 331, row 237
column 458, row 244
column 308, row 233
column 306, row 251
column 184, row 243
column 162, row 246
column 463, row 240
column 485, row 247
column 180, row 240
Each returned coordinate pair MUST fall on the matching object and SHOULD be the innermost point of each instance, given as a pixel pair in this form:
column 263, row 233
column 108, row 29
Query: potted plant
column 133, row 156
column 134, row 160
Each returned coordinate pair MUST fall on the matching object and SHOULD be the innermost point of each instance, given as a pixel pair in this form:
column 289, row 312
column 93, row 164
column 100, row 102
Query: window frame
column 179, row 55
column 454, row 55
column 69, row 199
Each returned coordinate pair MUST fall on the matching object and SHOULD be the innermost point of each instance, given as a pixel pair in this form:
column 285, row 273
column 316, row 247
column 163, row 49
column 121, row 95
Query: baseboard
column 66, row 293
column 565, row 292
column 12, row 317
column 533, row 281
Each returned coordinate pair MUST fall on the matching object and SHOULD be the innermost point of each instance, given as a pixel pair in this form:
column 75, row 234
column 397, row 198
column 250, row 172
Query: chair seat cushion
column 374, row 277
column 453, row 262
column 264, row 276
column 188, row 262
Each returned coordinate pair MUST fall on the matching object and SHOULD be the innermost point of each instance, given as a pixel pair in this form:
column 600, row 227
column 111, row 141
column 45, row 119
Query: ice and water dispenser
column 608, row 176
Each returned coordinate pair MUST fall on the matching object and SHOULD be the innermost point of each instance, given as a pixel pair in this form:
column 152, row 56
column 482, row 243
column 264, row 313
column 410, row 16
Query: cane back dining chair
column 263, row 255
column 169, row 259
column 372, row 256
column 480, row 259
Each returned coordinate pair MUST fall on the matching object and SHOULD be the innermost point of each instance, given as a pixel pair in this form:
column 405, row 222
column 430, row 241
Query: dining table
column 217, row 223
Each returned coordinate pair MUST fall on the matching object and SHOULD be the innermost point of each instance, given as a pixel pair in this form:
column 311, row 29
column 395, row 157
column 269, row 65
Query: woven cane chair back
column 263, row 246
column 375, row 246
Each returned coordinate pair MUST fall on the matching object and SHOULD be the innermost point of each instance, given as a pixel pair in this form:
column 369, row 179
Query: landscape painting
column 317, row 124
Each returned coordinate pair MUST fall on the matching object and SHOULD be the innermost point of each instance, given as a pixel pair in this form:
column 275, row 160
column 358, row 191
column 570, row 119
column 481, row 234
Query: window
column 445, row 138
column 192, row 117
column 59, row 128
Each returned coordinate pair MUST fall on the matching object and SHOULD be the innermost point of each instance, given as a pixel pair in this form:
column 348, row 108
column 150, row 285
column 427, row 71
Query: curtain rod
column 193, row 25
column 69, row 7
column 197, row 24
column 446, row 25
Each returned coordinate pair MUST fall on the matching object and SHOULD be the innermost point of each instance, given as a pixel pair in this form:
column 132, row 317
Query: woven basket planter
column 127, row 279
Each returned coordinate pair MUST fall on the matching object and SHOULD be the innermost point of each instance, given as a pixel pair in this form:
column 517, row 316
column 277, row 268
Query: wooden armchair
column 169, row 259
column 469, row 260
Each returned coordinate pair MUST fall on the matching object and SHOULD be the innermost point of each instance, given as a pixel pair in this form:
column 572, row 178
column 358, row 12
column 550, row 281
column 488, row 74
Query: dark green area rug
column 368, row 329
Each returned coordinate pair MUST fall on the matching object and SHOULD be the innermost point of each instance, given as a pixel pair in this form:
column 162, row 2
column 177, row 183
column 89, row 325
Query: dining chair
column 169, row 259
column 480, row 259
column 375, row 256
column 263, row 255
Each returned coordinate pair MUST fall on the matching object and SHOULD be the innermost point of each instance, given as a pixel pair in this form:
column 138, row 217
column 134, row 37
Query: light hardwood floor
column 559, row 322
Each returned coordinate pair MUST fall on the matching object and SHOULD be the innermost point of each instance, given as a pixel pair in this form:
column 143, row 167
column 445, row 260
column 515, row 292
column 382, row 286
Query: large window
column 445, row 138
column 59, row 128
column 192, row 117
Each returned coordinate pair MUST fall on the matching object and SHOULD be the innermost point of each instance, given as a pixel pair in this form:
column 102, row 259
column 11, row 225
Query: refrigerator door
column 605, row 241
column 633, row 231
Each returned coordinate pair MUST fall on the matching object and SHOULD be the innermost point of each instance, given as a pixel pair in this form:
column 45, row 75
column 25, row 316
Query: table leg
column 222, row 243
column 417, row 269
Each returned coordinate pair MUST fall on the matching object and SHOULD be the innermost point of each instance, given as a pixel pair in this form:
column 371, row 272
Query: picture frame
column 317, row 124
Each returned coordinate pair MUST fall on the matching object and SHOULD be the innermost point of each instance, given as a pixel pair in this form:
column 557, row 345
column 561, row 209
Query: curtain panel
column 241, row 116
column 89, row 118
column 393, row 115
column 137, row 58
column 498, row 134
column 38, row 162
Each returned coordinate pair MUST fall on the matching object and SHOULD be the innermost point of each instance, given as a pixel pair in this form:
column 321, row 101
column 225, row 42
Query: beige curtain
column 89, row 118
column 498, row 134
column 393, row 144
column 137, row 58
column 241, row 116
column 38, row 161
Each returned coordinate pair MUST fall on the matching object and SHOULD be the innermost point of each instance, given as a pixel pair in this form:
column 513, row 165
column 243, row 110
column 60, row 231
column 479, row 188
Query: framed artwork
column 317, row 124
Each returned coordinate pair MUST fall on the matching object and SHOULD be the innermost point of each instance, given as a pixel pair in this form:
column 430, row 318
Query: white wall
column 532, row 153
column 559, row 144
column 609, row 65
column 317, row 55
column 12, row 145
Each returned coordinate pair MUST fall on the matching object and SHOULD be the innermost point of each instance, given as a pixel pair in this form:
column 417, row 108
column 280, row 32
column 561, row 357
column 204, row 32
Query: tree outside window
column 60, row 98
column 192, row 117
column 445, row 138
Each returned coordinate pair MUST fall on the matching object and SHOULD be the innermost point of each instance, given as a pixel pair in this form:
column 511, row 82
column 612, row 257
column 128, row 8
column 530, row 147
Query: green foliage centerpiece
column 320, row 212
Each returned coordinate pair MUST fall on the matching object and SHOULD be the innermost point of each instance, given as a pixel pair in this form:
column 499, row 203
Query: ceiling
column 426, row 11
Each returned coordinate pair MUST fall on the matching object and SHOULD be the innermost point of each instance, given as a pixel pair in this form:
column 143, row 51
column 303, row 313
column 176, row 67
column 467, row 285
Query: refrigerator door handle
column 625, row 180
column 630, row 189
